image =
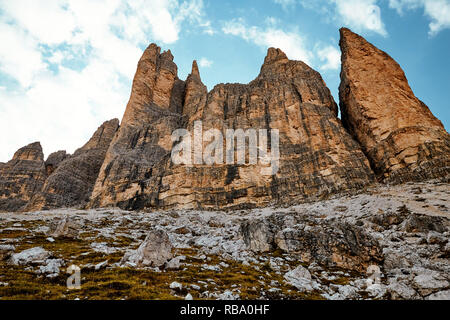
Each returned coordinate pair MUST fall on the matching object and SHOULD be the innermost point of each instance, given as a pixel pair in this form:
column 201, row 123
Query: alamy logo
column 74, row 281
column 188, row 150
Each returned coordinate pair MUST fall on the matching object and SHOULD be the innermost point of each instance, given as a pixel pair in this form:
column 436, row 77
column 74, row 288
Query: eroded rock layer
column 21, row 177
column 72, row 178
column 397, row 131
column 317, row 155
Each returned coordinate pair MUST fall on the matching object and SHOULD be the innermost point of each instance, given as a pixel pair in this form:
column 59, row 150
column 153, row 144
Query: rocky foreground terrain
column 384, row 243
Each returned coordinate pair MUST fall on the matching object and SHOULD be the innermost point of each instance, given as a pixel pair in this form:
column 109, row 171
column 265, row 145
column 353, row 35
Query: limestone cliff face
column 21, row 177
column 72, row 178
column 397, row 131
column 317, row 155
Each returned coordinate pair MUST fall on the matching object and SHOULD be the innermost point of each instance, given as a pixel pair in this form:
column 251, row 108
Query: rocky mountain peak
column 33, row 152
column 71, row 179
column 195, row 71
column 275, row 55
column 401, row 137
column 167, row 55
column 102, row 136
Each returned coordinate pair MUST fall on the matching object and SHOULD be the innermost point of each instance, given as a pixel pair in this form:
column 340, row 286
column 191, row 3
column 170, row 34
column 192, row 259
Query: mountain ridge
column 386, row 135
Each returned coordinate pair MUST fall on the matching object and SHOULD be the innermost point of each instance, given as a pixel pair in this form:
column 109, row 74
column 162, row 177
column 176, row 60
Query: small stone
column 429, row 281
column 66, row 228
column 227, row 296
column 348, row 292
column 51, row 268
column 299, row 278
column 5, row 251
column 101, row 265
column 376, row 290
column 175, row 263
column 400, row 290
column 442, row 295
column 176, row 286
column 33, row 255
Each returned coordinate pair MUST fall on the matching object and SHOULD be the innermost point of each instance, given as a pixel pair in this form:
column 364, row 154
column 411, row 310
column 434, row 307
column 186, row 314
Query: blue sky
column 67, row 65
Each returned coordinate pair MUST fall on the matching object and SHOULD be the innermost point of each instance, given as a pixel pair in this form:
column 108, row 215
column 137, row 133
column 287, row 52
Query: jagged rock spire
column 72, row 181
column 32, row 152
column 397, row 131
column 195, row 71
column 273, row 55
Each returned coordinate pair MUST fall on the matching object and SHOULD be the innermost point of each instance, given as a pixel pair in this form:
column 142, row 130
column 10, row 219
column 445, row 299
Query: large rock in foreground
column 329, row 243
column 71, row 183
column 398, row 133
column 155, row 251
column 22, row 177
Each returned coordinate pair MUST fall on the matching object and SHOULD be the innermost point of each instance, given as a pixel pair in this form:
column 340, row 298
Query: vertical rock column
column 135, row 162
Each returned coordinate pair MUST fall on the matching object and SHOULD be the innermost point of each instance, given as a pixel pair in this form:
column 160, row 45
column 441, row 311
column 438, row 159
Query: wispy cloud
column 331, row 58
column 70, row 63
column 325, row 57
column 205, row 63
column 360, row 15
column 286, row 4
column 437, row 10
column 291, row 42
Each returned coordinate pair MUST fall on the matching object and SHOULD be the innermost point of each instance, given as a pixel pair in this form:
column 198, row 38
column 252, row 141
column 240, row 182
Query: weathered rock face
column 54, row 160
column 317, row 155
column 73, row 179
column 21, row 177
column 135, row 162
column 398, row 133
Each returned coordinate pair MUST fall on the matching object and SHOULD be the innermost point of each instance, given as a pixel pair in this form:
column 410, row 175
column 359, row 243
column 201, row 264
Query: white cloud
column 285, row 3
column 290, row 42
column 74, row 61
column 331, row 58
column 437, row 10
column 205, row 63
column 293, row 43
column 360, row 15
column 47, row 20
column 20, row 57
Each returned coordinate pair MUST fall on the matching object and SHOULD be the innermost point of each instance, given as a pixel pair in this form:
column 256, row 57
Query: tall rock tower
column 397, row 131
